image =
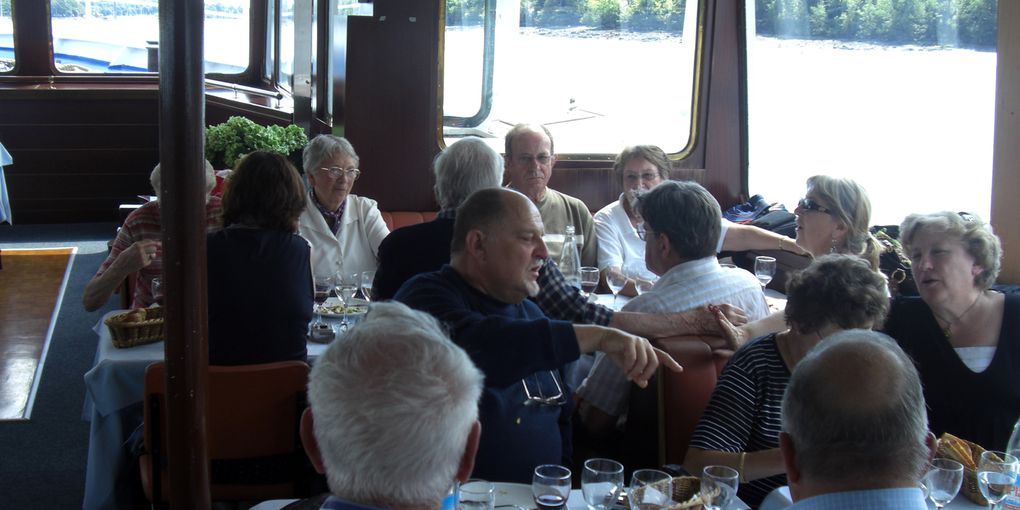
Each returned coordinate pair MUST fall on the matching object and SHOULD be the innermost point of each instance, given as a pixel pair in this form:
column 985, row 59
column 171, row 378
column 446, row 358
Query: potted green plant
column 227, row 142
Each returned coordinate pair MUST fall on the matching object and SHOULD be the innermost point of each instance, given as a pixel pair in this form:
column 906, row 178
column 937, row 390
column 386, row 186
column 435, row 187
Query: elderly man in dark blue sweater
column 496, row 254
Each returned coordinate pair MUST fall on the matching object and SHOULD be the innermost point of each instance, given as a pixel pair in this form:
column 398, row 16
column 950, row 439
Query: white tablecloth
column 113, row 404
column 780, row 498
column 5, row 203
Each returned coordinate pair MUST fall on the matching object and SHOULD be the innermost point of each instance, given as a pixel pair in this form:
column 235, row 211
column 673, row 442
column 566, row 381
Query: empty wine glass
column 346, row 285
column 551, row 486
column 719, row 486
column 616, row 281
column 943, row 481
column 601, row 482
column 650, row 489
column 367, row 278
column 996, row 474
column 764, row 269
column 589, row 279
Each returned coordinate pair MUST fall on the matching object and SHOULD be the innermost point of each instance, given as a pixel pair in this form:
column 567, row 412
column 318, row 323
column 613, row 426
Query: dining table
column 114, row 388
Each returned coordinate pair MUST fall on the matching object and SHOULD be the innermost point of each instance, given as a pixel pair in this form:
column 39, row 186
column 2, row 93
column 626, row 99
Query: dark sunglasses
column 810, row 205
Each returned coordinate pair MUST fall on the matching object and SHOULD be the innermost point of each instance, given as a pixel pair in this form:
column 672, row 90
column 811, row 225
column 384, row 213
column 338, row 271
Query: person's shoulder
column 606, row 213
column 420, row 236
column 363, row 203
column 444, row 277
column 757, row 350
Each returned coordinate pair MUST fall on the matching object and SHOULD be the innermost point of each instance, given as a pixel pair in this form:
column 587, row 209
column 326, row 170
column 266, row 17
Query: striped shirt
column 744, row 414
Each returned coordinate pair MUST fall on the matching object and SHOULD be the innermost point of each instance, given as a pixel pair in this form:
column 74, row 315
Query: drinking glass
column 323, row 285
column 367, row 277
column 943, row 481
column 996, row 474
column 551, row 486
column 764, row 269
column 157, row 290
column 601, row 482
column 616, row 281
column 643, row 285
column 476, row 495
column 346, row 285
column 719, row 486
column 650, row 489
column 589, row 279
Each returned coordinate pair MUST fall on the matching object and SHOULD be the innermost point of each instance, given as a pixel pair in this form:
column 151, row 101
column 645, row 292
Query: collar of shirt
column 332, row 217
column 447, row 214
column 335, row 503
column 909, row 498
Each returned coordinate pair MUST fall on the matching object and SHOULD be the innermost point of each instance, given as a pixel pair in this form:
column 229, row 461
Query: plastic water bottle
column 1012, row 501
column 570, row 259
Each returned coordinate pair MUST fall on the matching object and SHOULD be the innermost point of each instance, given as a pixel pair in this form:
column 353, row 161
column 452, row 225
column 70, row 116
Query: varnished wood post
column 182, row 118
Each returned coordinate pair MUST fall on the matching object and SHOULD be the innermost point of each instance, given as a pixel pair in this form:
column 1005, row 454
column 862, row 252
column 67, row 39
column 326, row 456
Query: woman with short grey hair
column 741, row 425
column 344, row 229
column 963, row 336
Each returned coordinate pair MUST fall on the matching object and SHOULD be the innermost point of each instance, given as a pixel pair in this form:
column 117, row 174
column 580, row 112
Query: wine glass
column 551, row 486
column 156, row 287
column 367, row 278
column 996, row 474
column 601, row 482
column 650, row 489
column 764, row 269
column 943, row 481
column 346, row 285
column 323, row 284
column 616, row 281
column 589, row 279
column 719, row 486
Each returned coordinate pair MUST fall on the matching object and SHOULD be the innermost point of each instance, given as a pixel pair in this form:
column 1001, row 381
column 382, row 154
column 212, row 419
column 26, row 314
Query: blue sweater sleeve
column 507, row 342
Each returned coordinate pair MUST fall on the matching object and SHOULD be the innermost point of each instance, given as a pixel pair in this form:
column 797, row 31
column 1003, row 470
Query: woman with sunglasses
column 834, row 217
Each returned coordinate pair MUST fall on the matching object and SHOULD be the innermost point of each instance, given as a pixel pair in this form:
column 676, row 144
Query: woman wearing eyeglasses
column 344, row 229
column 962, row 335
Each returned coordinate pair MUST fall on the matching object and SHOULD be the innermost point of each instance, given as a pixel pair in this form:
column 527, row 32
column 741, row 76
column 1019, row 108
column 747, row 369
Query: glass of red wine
column 551, row 486
column 323, row 284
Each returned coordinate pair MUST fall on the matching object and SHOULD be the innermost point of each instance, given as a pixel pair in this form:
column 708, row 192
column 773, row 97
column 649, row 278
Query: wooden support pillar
column 182, row 207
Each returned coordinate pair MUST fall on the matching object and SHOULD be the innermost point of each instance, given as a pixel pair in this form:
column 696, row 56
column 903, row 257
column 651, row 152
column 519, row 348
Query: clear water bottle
column 570, row 259
column 1012, row 501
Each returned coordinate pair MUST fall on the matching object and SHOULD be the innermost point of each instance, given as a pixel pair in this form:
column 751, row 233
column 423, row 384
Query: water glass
column 764, row 269
column 650, row 489
column 367, row 279
column 943, row 481
column 601, row 482
column 156, row 286
column 616, row 281
column 996, row 474
column 719, row 486
column 476, row 495
column 551, row 486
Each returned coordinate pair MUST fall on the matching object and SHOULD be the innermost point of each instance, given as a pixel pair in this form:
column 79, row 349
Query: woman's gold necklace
column 948, row 329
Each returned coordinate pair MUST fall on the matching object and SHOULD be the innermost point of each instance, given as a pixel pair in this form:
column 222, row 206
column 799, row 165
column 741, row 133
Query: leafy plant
column 227, row 142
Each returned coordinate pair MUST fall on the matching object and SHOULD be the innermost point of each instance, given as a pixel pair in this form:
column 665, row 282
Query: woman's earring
column 833, row 248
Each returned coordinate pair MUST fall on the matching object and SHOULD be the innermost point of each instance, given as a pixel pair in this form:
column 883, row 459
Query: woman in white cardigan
column 344, row 229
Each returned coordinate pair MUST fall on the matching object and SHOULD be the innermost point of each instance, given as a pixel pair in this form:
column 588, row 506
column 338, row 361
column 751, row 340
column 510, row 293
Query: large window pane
column 600, row 74
column 898, row 96
column 6, row 37
column 286, row 68
column 103, row 36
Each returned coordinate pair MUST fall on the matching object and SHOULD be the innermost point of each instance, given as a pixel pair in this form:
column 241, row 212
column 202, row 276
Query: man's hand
column 731, row 334
column 633, row 354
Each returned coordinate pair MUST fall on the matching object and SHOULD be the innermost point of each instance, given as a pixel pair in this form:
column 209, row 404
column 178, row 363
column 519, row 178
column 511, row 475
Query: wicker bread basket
column 968, row 454
column 136, row 327
column 685, row 493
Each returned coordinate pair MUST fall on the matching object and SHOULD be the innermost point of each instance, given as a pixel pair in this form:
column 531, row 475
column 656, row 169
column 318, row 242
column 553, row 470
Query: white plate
column 513, row 494
column 331, row 302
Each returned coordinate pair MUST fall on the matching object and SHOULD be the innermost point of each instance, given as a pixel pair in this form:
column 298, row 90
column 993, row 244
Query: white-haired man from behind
column 393, row 416
column 855, row 430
